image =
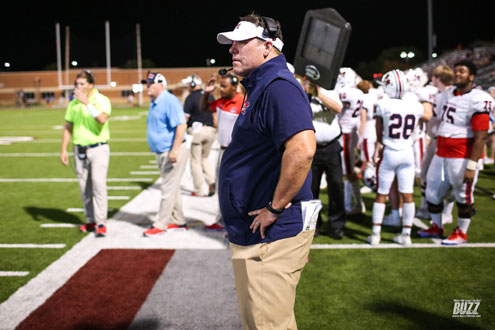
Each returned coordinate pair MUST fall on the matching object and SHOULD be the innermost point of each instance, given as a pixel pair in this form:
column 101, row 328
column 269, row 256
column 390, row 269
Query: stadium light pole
column 107, row 41
column 139, row 61
column 67, row 33
column 430, row 30
column 59, row 55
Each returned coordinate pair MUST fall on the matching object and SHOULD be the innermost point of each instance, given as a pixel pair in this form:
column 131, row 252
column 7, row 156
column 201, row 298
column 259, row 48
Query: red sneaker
column 434, row 232
column 87, row 227
column 153, row 231
column 214, row 227
column 171, row 227
column 101, row 231
column 457, row 237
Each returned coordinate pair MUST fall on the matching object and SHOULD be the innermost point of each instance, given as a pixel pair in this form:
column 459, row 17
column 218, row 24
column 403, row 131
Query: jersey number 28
column 401, row 126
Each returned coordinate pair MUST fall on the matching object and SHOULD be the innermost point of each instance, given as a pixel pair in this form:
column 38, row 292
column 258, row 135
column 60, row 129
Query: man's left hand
column 468, row 176
column 264, row 219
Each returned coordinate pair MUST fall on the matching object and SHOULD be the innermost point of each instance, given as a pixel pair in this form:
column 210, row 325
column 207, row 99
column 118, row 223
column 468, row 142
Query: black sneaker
column 211, row 189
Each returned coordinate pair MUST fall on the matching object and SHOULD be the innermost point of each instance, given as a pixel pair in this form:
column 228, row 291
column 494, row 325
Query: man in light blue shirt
column 166, row 127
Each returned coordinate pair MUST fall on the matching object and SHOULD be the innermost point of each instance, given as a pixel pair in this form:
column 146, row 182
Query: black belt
column 223, row 148
column 323, row 144
column 93, row 145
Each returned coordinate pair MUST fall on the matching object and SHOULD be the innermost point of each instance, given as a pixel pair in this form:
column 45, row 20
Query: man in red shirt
column 226, row 110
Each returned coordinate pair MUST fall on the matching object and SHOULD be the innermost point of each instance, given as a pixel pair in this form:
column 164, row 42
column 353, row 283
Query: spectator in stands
column 166, row 128
column 227, row 108
column 86, row 121
column 264, row 177
column 202, row 129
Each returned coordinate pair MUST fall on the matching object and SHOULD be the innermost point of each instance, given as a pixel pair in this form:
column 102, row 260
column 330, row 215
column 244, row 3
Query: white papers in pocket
column 310, row 210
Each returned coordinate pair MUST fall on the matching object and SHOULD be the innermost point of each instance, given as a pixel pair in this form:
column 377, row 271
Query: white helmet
column 394, row 83
column 347, row 78
column 416, row 78
column 369, row 177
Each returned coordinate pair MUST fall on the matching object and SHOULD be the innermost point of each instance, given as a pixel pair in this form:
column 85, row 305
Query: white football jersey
column 369, row 105
column 427, row 93
column 457, row 111
column 399, row 117
column 352, row 101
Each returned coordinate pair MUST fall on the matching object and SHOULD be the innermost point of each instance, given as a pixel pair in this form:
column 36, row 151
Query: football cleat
column 214, row 227
column 101, row 231
column 457, row 237
column 403, row 239
column 153, row 232
column 87, row 227
column 433, row 232
column 171, row 227
column 374, row 239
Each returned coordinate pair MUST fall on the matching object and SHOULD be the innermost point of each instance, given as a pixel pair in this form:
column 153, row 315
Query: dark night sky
column 182, row 34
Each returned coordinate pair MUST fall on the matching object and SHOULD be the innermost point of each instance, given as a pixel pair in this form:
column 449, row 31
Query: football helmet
column 369, row 177
column 394, row 84
column 416, row 78
column 347, row 78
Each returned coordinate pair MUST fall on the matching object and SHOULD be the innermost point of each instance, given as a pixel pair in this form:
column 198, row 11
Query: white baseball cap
column 247, row 30
column 192, row 78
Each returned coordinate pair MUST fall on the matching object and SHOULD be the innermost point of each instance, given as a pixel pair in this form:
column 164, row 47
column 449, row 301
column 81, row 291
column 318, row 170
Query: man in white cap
column 265, row 177
column 166, row 127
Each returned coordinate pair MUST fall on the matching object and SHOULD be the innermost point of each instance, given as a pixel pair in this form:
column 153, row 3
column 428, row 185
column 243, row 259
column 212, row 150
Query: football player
column 349, row 119
column 396, row 120
column 461, row 136
column 442, row 78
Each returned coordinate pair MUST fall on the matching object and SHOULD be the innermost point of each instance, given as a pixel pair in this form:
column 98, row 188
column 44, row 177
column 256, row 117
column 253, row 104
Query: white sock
column 377, row 217
column 447, row 207
column 408, row 210
column 463, row 224
column 436, row 218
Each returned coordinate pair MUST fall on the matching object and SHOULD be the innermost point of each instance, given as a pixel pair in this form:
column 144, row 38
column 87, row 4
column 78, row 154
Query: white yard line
column 397, row 246
column 148, row 167
column 12, row 273
column 118, row 140
column 56, row 154
column 32, row 246
column 118, row 198
column 124, row 188
column 144, row 172
column 59, row 225
column 74, row 180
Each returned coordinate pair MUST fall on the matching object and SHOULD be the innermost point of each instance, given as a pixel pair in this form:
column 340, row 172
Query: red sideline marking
column 106, row 293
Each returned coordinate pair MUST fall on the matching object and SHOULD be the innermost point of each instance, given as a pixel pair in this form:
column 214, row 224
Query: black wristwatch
column 272, row 210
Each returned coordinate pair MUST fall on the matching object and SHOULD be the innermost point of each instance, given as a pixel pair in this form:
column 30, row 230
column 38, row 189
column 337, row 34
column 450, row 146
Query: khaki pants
column 92, row 175
column 171, row 202
column 266, row 277
column 201, row 166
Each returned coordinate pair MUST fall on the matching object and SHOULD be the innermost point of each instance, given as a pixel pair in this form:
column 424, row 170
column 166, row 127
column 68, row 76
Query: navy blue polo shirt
column 276, row 108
